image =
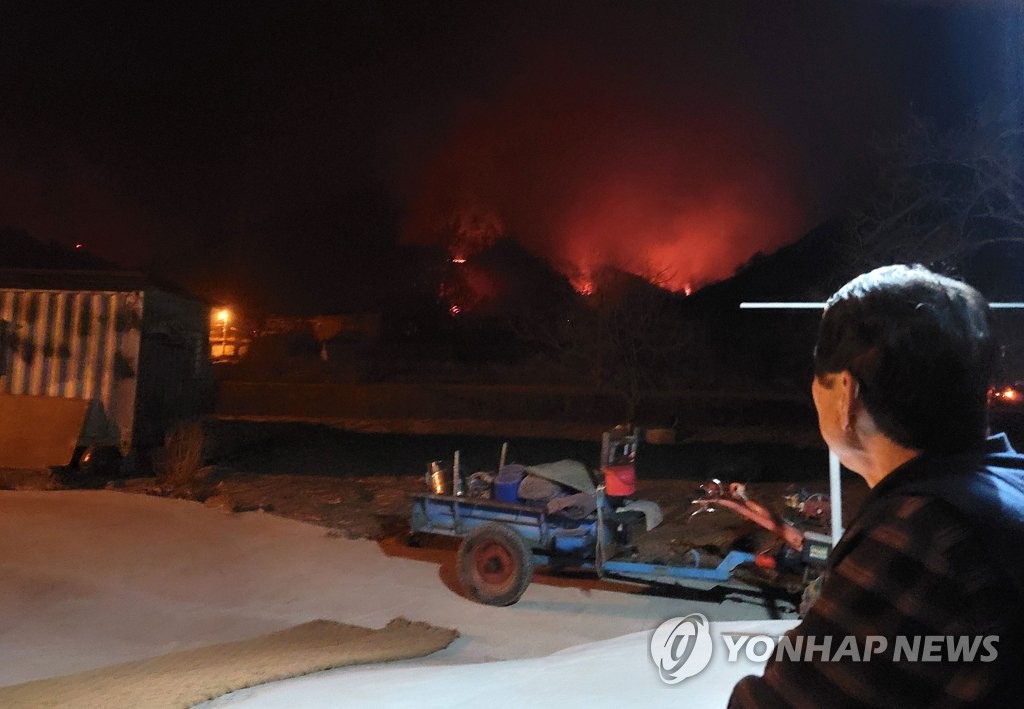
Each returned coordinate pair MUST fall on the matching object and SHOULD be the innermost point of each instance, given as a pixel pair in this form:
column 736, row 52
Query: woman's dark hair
column 920, row 347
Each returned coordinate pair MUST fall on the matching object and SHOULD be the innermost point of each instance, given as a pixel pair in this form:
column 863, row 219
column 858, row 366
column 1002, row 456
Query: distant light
column 78, row 246
column 458, row 260
column 224, row 315
column 821, row 306
column 454, row 310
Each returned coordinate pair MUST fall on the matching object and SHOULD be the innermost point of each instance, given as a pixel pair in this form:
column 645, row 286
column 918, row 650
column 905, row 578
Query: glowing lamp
column 223, row 315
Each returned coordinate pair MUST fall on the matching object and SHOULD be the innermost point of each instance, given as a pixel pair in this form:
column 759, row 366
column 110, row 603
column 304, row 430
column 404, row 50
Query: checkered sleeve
column 912, row 569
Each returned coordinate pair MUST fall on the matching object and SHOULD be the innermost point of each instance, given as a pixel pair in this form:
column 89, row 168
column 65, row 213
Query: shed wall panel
column 76, row 345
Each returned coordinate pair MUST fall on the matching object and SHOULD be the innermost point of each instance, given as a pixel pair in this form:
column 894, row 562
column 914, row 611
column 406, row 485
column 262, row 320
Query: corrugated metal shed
column 79, row 335
column 70, row 344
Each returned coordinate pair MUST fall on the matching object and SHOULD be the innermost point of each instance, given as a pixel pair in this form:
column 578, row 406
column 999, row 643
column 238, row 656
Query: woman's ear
column 848, row 399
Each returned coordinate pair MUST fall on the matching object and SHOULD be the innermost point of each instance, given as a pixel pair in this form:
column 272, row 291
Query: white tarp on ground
column 611, row 673
column 92, row 578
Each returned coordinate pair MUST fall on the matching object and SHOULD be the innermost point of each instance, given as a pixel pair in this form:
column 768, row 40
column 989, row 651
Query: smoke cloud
column 587, row 168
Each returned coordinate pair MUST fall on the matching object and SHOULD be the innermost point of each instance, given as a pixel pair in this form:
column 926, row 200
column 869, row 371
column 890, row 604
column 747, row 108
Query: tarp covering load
column 570, row 473
column 565, row 486
column 648, row 508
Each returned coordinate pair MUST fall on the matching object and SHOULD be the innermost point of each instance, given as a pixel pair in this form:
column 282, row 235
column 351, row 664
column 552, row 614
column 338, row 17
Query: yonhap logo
column 681, row 647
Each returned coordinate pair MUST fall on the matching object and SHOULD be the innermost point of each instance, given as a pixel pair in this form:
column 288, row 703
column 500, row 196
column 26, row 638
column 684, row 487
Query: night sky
column 285, row 157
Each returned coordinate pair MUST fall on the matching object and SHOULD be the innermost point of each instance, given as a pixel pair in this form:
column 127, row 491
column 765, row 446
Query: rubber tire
column 495, row 565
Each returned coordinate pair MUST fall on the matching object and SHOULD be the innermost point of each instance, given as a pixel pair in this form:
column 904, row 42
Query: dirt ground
column 357, row 480
column 378, row 507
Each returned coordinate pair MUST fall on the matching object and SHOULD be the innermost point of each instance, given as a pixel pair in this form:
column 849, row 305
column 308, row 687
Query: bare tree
column 628, row 336
column 943, row 196
column 953, row 200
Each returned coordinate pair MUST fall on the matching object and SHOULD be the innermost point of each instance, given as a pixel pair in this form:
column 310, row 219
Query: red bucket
column 620, row 480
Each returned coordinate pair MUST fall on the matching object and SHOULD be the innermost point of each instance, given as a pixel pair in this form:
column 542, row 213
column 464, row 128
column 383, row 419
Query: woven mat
column 182, row 679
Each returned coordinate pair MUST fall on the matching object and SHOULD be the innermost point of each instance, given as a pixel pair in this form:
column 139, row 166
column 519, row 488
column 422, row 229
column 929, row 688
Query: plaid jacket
column 936, row 550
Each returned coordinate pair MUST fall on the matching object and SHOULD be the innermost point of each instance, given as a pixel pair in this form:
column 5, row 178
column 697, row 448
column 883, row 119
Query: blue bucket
column 506, row 484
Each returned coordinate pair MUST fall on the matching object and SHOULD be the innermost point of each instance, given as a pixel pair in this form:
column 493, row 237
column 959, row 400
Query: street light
column 223, row 315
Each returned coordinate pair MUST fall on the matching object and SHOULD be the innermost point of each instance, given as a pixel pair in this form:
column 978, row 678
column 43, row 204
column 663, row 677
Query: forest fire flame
column 584, row 287
column 592, row 172
column 466, row 288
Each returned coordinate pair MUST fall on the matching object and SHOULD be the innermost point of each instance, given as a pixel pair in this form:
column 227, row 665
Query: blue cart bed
column 501, row 543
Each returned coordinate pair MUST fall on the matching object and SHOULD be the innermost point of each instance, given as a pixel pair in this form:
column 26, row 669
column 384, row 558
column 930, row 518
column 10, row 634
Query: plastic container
column 620, row 480
column 506, row 483
column 618, row 462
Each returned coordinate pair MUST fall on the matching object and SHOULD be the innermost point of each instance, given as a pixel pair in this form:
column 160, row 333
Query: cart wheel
column 495, row 565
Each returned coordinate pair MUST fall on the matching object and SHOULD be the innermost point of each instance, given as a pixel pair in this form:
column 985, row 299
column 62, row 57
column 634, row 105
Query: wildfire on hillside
column 466, row 288
column 593, row 172
column 584, row 287
column 472, row 286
